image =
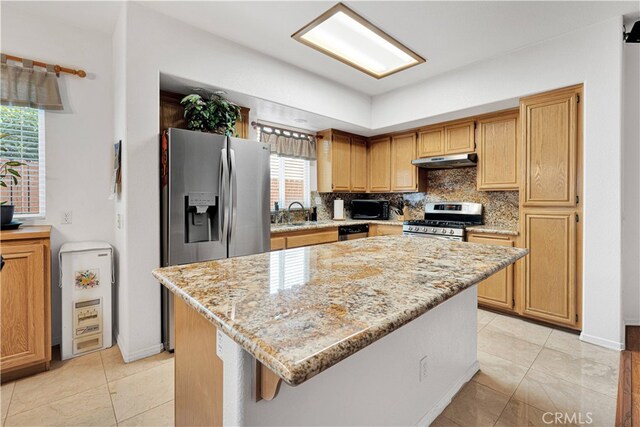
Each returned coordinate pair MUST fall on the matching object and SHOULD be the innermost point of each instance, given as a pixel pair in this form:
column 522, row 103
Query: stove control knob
column 444, row 231
column 450, row 231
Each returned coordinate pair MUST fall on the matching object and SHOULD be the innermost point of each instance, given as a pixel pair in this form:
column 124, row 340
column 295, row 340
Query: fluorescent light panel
column 346, row 36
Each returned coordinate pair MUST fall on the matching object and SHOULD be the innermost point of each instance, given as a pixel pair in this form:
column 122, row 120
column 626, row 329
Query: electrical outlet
column 67, row 217
column 423, row 368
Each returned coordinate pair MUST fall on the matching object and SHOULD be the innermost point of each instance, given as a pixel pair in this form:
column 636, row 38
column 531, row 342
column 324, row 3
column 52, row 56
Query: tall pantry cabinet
column 551, row 206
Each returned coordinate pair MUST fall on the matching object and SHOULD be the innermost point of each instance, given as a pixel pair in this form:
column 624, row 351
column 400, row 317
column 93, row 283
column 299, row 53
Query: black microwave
column 370, row 209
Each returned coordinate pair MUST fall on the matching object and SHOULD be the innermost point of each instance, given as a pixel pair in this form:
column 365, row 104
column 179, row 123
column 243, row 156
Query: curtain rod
column 57, row 68
column 268, row 125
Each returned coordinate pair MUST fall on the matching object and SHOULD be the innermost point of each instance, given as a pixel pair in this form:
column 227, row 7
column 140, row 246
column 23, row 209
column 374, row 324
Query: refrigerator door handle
column 222, row 206
column 234, row 191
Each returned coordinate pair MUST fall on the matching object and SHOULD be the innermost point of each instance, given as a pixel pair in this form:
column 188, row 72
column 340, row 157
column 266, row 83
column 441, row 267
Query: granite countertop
column 302, row 310
column 493, row 229
column 286, row 228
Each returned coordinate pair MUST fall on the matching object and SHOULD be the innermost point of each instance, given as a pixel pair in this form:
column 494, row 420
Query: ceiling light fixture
column 348, row 37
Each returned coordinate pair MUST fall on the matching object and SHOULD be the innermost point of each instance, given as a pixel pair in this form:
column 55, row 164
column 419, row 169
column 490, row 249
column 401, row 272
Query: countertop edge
column 296, row 375
column 492, row 229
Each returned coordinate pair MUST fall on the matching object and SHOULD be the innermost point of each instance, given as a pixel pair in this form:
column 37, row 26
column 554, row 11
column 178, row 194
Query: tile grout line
column 150, row 409
column 512, row 396
column 13, row 390
column 104, row 371
column 48, row 402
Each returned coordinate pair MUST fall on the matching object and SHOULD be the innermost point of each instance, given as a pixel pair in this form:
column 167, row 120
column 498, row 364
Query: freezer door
column 197, row 209
column 249, row 229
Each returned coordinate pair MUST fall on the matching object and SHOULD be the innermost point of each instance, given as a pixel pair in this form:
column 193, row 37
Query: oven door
column 433, row 236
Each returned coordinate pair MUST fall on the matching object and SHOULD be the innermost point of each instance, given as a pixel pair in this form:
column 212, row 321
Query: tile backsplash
column 452, row 185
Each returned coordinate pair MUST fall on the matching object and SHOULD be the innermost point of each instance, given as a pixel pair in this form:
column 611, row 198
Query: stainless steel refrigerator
column 214, row 202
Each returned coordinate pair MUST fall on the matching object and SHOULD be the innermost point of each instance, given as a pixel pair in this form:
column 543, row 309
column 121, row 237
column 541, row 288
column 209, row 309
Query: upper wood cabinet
column 549, row 285
column 497, row 290
column 334, row 161
column 431, row 142
column 498, row 152
column 447, row 138
column 25, row 299
column 459, row 138
column 404, row 175
column 358, row 164
column 340, row 163
column 380, row 164
column 550, row 135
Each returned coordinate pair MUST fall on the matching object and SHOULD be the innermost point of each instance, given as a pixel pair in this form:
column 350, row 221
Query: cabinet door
column 459, row 138
column 278, row 243
column 340, row 163
column 497, row 290
column 550, row 267
column 404, row 175
column 549, row 133
column 358, row 164
column 22, row 305
column 431, row 143
column 498, row 153
column 380, row 164
column 388, row 230
column 312, row 238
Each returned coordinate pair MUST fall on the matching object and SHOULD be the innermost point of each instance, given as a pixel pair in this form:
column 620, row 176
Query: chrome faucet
column 289, row 211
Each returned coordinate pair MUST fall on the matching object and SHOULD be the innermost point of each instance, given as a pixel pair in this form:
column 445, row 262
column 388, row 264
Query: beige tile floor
column 526, row 370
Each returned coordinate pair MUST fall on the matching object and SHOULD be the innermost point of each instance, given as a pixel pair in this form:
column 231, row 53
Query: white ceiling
column 449, row 34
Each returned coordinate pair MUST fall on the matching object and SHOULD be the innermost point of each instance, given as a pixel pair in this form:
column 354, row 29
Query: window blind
column 22, row 141
column 289, row 181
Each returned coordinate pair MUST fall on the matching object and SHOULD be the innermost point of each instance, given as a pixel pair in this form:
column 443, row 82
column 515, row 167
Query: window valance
column 23, row 86
column 288, row 143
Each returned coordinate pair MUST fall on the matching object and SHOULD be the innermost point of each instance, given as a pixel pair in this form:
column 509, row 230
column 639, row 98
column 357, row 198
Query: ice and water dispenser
column 201, row 217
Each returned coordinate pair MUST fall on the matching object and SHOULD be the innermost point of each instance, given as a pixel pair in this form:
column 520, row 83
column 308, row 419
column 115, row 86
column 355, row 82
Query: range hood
column 447, row 162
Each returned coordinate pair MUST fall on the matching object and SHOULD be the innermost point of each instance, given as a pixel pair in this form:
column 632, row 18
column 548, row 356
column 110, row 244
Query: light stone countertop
column 300, row 311
column 492, row 229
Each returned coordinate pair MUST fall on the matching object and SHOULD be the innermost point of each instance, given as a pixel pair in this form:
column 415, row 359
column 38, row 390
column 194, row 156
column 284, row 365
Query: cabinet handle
column 1, row 262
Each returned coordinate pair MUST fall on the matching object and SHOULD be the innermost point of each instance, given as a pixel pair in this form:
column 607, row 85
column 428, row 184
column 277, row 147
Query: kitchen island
column 291, row 315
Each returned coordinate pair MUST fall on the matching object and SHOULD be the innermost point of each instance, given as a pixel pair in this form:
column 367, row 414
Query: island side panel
column 198, row 370
column 379, row 385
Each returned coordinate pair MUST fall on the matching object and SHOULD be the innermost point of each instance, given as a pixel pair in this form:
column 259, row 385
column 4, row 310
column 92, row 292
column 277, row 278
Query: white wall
column 592, row 56
column 631, row 185
column 157, row 44
column 378, row 386
column 79, row 140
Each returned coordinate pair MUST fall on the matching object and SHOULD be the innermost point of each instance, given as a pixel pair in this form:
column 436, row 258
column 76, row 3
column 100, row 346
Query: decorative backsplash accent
column 452, row 185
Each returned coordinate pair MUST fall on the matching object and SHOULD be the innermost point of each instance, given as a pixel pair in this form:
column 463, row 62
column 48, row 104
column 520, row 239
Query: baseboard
column 139, row 354
column 602, row 342
column 449, row 395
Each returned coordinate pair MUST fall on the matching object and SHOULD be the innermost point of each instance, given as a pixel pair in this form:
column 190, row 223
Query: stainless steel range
column 445, row 220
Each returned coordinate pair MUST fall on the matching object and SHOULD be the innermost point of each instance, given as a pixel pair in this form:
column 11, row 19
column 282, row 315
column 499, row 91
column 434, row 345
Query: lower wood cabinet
column 384, row 230
column 296, row 239
column 496, row 291
column 25, row 300
column 549, row 281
